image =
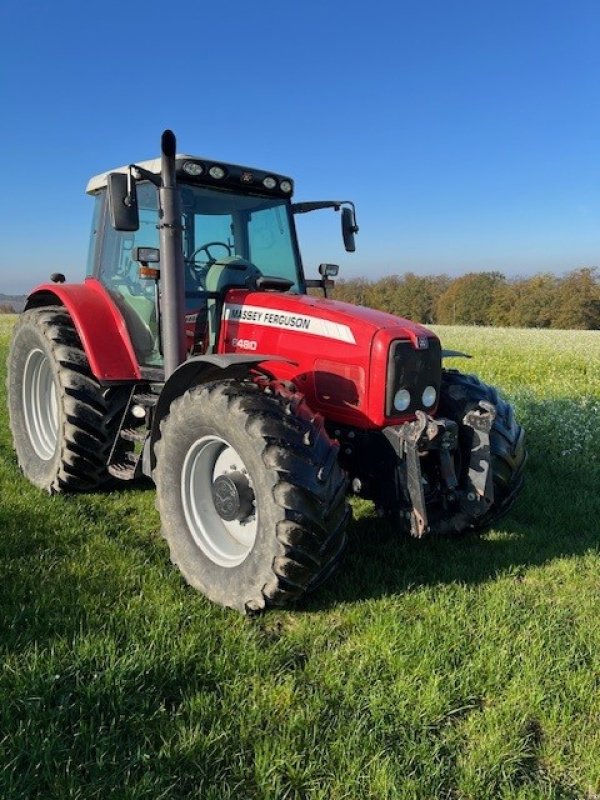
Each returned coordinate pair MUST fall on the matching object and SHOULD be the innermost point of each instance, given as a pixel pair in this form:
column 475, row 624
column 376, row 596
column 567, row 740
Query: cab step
column 127, row 469
column 125, row 460
column 146, row 399
column 134, row 434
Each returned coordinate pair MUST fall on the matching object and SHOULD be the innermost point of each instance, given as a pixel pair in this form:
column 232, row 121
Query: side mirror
column 349, row 228
column 122, row 202
column 328, row 270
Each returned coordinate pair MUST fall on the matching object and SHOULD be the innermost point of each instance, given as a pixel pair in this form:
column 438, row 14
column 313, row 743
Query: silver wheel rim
column 40, row 404
column 226, row 543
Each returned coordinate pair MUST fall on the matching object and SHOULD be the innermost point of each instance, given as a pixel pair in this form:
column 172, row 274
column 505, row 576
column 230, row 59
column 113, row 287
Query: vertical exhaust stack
column 171, row 256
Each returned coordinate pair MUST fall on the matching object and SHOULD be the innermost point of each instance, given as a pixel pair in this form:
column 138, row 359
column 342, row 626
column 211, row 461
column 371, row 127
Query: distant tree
column 438, row 284
column 577, row 300
column 409, row 295
column 500, row 312
column 354, row 290
column 467, row 301
column 5, row 308
column 416, row 296
column 535, row 301
column 385, row 294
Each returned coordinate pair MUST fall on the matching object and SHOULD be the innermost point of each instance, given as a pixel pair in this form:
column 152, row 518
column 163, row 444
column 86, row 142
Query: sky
column 466, row 132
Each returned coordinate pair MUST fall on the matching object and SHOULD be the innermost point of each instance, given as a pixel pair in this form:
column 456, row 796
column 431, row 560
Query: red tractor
column 192, row 354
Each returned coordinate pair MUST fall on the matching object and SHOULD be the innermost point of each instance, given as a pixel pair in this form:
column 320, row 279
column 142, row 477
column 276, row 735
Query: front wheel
column 459, row 394
column 250, row 494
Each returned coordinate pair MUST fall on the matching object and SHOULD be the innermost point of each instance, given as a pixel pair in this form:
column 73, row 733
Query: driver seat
column 227, row 273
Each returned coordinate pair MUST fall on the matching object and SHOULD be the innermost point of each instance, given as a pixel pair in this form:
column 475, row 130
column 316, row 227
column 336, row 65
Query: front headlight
column 429, row 396
column 402, row 400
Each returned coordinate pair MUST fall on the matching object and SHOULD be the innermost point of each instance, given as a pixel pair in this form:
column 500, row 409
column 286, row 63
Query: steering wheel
column 206, row 249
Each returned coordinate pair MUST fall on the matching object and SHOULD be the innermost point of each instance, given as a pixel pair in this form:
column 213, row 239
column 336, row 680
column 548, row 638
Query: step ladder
column 125, row 460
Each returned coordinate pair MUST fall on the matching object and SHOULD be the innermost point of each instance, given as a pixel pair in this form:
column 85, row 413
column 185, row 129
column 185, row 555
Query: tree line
column 478, row 298
column 484, row 298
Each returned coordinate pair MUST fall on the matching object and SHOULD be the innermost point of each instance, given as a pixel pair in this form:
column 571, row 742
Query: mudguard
column 99, row 324
column 202, row 369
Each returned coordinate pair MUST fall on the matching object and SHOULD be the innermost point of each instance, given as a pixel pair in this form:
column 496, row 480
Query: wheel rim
column 40, row 404
column 226, row 542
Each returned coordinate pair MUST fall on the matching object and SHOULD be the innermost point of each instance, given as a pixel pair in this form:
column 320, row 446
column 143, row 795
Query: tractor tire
column 278, row 533
column 63, row 422
column 459, row 393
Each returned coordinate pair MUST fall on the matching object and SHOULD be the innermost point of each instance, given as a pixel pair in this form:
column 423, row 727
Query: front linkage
column 424, row 436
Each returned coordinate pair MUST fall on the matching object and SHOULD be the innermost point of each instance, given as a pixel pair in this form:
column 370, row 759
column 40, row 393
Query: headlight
column 269, row 182
column 285, row 186
column 402, row 400
column 429, row 396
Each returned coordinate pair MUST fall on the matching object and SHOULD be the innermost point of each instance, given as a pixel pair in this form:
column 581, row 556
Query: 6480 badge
column 244, row 344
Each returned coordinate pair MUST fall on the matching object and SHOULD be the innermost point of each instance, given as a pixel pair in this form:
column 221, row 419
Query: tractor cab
column 238, row 231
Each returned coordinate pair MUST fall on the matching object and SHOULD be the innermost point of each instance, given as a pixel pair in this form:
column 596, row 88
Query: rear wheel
column 460, row 394
column 62, row 421
column 250, row 494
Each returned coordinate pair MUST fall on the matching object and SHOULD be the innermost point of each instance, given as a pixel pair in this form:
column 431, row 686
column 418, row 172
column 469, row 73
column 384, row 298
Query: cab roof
column 235, row 176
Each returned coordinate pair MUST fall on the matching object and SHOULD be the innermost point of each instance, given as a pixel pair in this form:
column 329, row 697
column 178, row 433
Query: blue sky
column 468, row 133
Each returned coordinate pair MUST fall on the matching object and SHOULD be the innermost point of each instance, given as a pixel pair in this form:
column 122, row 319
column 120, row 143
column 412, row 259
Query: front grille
column 413, row 370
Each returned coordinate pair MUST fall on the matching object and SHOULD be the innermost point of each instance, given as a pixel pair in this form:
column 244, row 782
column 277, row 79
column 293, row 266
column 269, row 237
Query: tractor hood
column 376, row 320
column 343, row 357
column 301, row 312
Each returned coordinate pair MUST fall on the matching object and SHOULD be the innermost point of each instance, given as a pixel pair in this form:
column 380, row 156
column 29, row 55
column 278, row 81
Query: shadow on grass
column 557, row 515
column 65, row 561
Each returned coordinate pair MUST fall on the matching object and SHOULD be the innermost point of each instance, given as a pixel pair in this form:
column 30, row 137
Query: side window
column 119, row 272
column 95, row 233
column 116, row 258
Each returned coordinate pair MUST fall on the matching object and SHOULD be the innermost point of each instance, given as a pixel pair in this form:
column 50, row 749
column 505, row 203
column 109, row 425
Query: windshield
column 220, row 224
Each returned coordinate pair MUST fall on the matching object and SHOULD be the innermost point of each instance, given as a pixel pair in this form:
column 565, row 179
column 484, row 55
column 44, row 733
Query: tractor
column 197, row 355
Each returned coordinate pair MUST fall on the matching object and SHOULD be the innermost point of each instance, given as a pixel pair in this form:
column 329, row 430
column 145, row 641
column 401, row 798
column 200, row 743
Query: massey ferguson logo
column 234, row 313
column 422, row 343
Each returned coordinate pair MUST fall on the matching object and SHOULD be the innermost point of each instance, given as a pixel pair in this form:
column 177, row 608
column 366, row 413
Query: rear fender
column 203, row 369
column 99, row 324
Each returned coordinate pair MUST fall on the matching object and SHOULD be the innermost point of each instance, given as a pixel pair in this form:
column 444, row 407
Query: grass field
column 434, row 669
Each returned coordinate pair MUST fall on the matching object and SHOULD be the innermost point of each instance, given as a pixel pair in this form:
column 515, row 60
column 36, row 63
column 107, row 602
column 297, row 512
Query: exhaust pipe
column 171, row 256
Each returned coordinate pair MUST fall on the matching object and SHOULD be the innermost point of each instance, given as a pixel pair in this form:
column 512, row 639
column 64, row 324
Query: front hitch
column 413, row 440
column 480, row 491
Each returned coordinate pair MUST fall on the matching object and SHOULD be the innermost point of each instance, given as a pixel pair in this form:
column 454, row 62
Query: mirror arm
column 317, row 205
column 304, row 208
column 129, row 196
column 143, row 174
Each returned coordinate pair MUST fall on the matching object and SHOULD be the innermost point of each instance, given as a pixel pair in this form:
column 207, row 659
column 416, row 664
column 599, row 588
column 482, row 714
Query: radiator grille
column 413, row 370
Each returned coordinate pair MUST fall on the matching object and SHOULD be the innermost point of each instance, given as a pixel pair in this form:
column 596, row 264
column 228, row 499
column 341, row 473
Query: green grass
column 433, row 669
